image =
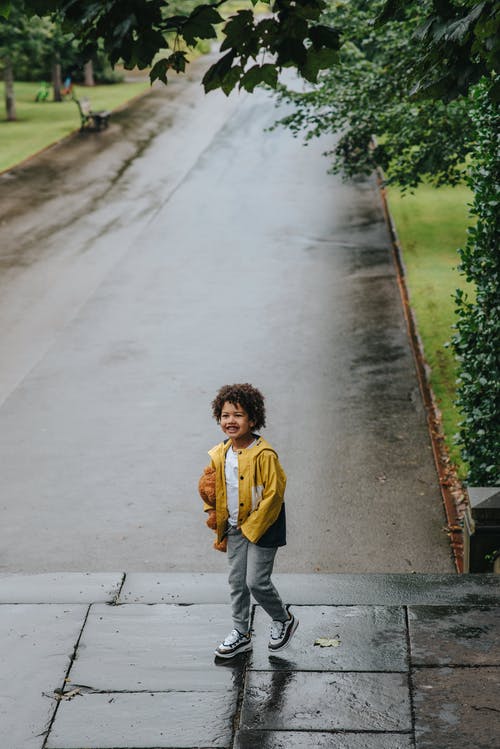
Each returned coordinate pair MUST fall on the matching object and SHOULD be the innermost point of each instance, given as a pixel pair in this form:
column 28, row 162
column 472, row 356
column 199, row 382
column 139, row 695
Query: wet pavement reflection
column 100, row 672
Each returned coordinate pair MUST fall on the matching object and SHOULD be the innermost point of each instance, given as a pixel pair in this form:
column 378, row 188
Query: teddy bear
column 206, row 487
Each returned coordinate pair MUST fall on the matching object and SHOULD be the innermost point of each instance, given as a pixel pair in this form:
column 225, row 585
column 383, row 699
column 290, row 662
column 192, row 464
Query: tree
column 11, row 42
column 423, row 81
column 477, row 338
column 365, row 99
column 10, row 100
column 88, row 73
column 58, row 50
column 135, row 32
column 35, row 48
column 21, row 42
column 460, row 45
column 460, row 38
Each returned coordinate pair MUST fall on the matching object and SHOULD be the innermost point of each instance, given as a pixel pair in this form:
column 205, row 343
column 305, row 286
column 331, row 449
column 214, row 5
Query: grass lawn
column 431, row 225
column 40, row 124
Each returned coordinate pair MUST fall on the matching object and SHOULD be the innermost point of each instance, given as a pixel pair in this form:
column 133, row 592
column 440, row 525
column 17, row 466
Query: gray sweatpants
column 250, row 569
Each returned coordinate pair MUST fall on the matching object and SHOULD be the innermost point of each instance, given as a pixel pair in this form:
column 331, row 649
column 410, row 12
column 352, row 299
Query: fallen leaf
column 328, row 642
column 66, row 695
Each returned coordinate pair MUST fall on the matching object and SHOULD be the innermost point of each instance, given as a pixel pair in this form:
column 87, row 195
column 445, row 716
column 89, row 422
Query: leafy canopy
column 365, row 97
column 459, row 43
column 460, row 39
column 135, row 31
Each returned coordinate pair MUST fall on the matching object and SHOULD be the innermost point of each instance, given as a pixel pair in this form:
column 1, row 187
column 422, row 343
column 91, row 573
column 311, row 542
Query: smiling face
column 236, row 424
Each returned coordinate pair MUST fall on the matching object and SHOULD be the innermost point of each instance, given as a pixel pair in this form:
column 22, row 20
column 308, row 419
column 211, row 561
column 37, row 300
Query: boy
column 250, row 510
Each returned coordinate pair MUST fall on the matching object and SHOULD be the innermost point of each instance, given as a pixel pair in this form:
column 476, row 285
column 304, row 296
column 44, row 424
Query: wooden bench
column 91, row 120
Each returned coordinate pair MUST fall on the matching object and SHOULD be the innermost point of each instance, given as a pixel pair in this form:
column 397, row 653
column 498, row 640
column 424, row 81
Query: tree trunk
column 88, row 72
column 57, row 81
column 10, row 99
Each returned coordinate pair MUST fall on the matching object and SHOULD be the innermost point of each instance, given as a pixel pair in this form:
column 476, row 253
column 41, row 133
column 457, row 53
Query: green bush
column 477, row 339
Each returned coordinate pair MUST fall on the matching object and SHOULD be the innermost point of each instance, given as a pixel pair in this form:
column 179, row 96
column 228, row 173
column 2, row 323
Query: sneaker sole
column 242, row 649
column 291, row 633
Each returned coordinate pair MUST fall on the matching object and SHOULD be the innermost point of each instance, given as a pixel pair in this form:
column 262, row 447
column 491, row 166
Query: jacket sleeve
column 273, row 494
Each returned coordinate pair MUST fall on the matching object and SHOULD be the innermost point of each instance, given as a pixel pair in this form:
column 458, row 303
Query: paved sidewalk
column 120, row 661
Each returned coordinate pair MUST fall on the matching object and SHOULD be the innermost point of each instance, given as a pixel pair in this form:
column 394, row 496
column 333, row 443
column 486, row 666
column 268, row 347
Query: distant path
column 142, row 268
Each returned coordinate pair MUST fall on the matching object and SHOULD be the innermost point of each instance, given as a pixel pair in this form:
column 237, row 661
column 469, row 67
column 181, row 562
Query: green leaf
column 238, row 30
column 159, row 71
column 177, row 61
column 216, row 73
column 200, row 24
column 231, row 78
column 207, row 14
column 495, row 92
column 392, row 10
column 251, row 78
column 318, row 60
column 459, row 29
column 260, row 74
column 269, row 75
column 175, row 22
column 324, row 36
column 291, row 52
column 309, row 11
column 5, row 8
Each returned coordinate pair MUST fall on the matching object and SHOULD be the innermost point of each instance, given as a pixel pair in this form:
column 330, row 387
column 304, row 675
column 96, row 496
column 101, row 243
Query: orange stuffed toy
column 206, row 487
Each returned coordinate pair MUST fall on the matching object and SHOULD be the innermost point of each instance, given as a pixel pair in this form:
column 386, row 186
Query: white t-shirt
column 233, row 484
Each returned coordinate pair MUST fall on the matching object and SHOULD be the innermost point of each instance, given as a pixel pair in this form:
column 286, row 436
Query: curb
column 452, row 490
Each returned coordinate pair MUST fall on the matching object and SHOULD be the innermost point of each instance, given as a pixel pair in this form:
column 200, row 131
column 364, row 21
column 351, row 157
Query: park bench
column 91, row 120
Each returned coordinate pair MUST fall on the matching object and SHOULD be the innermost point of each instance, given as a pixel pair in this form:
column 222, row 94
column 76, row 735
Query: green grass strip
column 432, row 225
column 40, row 124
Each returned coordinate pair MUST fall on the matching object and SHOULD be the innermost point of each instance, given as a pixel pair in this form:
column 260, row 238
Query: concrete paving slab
column 455, row 635
column 154, row 648
column 36, row 645
column 175, row 587
column 317, row 740
column 350, row 638
column 284, row 700
column 175, row 720
column 60, row 587
column 457, row 707
column 316, row 588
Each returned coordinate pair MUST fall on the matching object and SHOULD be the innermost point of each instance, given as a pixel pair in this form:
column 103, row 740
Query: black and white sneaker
column 235, row 643
column 282, row 633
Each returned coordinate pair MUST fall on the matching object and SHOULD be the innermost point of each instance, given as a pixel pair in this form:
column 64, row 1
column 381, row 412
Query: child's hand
column 212, row 520
column 222, row 546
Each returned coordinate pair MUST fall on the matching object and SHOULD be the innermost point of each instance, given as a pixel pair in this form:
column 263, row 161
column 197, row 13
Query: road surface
column 143, row 267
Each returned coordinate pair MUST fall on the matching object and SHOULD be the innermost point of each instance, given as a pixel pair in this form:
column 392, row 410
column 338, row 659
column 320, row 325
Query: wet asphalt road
column 142, row 268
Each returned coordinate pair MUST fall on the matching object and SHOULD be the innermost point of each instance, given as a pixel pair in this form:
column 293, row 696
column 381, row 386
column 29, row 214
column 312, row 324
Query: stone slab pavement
column 125, row 661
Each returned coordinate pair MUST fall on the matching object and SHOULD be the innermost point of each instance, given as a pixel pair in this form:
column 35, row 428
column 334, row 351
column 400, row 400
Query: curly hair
column 246, row 396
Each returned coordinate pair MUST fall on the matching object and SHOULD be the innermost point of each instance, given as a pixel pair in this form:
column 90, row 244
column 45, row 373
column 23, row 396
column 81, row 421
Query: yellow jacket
column 261, row 492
